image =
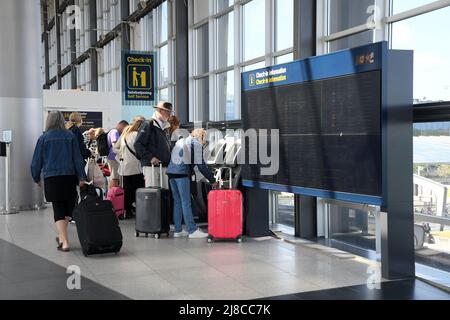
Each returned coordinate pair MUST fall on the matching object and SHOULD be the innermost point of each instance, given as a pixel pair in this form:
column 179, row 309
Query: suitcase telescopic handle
column 219, row 176
column 160, row 174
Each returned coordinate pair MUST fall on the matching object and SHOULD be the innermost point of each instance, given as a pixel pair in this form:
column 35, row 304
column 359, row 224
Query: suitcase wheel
column 210, row 240
column 137, row 234
column 239, row 240
column 157, row 235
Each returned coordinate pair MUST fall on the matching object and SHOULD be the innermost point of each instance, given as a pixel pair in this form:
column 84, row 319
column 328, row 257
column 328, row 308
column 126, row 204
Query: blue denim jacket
column 181, row 163
column 57, row 153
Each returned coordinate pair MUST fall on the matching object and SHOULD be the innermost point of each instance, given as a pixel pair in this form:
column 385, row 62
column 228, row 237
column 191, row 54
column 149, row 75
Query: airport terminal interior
column 326, row 127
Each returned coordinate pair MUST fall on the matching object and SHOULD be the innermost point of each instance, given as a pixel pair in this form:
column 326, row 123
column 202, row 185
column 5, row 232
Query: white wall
column 109, row 103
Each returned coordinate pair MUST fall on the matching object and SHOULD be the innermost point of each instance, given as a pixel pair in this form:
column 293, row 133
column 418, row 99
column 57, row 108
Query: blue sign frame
column 138, row 78
column 342, row 63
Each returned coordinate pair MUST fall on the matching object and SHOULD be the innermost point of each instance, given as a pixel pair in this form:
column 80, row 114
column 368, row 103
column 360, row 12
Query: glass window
column 355, row 40
column 164, row 94
column 225, row 40
column 283, row 214
column 202, row 49
column 163, row 22
column 164, row 65
column 345, row 14
column 399, row 6
column 254, row 29
column 431, row 207
column 284, row 24
column 202, row 103
column 201, row 10
column 223, row 4
column 425, row 35
column 255, row 66
column 352, row 226
column 225, row 96
column 285, row 58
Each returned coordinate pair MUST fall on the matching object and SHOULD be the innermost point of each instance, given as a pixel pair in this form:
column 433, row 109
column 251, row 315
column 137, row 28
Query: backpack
column 102, row 145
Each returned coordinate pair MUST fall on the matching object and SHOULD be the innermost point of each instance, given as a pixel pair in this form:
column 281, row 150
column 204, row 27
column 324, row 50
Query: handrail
column 419, row 217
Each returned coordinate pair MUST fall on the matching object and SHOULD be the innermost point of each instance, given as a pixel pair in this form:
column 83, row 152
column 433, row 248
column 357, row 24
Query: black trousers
column 130, row 185
column 63, row 209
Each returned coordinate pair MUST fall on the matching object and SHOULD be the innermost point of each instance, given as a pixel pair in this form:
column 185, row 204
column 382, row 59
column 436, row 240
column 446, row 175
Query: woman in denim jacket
column 188, row 152
column 57, row 155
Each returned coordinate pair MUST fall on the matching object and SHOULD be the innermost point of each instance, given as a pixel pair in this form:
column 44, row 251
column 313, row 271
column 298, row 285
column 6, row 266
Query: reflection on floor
column 395, row 290
column 185, row 269
column 433, row 258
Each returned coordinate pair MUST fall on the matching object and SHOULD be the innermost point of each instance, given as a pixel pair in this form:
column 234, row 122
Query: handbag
column 95, row 174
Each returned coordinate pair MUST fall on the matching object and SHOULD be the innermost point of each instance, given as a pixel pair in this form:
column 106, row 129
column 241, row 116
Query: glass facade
column 284, row 24
column 352, row 226
column 424, row 35
column 423, row 31
column 232, row 39
column 254, row 26
column 225, row 40
column 431, row 191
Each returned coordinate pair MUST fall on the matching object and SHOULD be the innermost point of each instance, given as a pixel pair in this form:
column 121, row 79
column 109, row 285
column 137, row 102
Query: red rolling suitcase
column 225, row 213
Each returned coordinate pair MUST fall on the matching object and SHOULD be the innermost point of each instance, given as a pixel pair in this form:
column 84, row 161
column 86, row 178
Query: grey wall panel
column 20, row 95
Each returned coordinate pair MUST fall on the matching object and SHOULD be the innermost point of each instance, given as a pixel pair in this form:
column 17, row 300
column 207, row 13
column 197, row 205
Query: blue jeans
column 182, row 208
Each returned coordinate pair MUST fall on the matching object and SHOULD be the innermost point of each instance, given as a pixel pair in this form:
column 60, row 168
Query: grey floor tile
column 113, row 265
column 152, row 287
column 171, row 261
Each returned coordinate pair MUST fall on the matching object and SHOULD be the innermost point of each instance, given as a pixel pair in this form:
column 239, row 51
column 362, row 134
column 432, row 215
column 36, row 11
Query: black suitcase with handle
column 97, row 224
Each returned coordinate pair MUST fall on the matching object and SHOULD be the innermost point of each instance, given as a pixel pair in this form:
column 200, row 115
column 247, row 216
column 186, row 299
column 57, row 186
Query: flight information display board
column 328, row 111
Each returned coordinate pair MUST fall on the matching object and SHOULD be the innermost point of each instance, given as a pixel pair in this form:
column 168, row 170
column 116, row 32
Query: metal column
column 20, row 97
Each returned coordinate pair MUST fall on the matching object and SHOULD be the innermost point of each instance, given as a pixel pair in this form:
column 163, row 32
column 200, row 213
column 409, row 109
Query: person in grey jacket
column 187, row 153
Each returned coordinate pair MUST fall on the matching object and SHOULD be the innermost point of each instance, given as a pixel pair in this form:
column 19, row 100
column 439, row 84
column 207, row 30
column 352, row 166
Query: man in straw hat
column 153, row 145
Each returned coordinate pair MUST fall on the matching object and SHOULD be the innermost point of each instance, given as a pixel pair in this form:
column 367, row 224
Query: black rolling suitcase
column 97, row 224
column 153, row 210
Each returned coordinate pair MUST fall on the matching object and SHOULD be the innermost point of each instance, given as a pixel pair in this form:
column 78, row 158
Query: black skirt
column 60, row 188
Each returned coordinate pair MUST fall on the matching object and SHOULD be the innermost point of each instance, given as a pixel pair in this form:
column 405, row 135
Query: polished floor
column 180, row 269
column 25, row 276
column 393, row 290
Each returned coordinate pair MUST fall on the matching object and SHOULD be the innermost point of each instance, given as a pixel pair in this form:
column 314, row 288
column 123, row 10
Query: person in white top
column 130, row 167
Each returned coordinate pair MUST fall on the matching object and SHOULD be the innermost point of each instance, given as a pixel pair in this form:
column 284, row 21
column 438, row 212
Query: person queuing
column 113, row 137
column 187, row 153
column 174, row 126
column 57, row 155
column 130, row 166
column 73, row 125
column 153, row 145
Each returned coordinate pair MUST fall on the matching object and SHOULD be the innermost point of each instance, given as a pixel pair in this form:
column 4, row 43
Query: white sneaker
column 198, row 234
column 180, row 234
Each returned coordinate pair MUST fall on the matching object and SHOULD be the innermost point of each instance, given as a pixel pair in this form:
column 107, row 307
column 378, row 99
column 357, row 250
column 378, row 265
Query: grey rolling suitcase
column 153, row 211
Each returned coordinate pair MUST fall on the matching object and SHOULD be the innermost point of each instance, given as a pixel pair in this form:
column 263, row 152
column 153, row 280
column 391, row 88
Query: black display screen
column 330, row 132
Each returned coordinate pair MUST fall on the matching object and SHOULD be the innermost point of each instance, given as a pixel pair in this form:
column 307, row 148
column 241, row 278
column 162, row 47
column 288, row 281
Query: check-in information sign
column 138, row 70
